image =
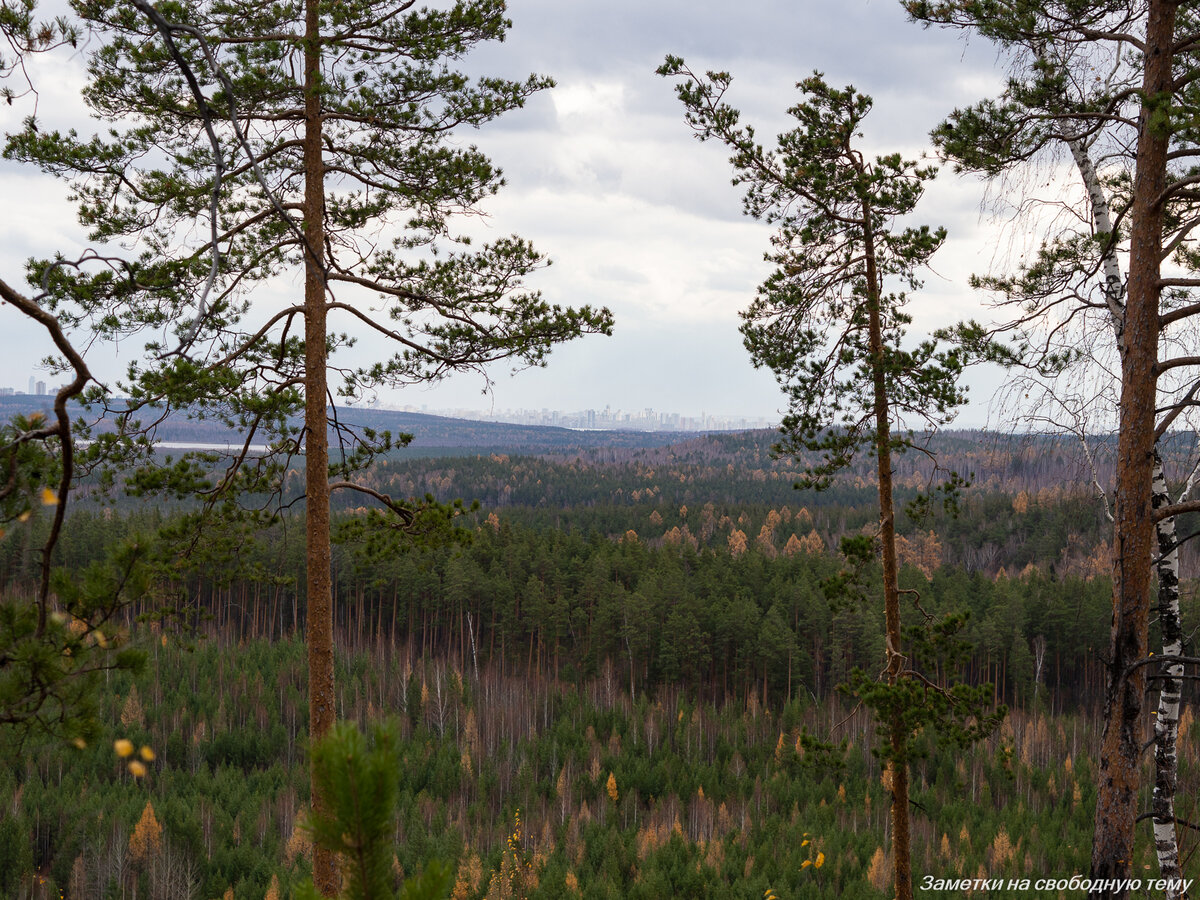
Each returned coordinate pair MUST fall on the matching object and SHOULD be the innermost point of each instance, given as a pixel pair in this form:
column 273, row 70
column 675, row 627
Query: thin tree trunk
column 1114, row 288
column 1166, row 725
column 1117, row 781
column 321, row 696
column 897, row 766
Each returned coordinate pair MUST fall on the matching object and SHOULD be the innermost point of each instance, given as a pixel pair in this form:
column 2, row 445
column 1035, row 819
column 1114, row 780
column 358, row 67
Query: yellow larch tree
column 146, row 840
column 737, row 542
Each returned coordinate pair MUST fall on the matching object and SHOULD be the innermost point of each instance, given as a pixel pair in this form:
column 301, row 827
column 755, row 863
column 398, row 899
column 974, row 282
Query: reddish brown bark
column 897, row 766
column 1121, row 748
column 316, row 439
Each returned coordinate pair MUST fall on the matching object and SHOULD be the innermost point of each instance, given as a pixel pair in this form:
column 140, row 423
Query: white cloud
column 606, row 178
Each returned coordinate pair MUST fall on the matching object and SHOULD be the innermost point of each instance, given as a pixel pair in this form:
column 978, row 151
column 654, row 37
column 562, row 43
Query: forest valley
column 605, row 682
column 311, row 662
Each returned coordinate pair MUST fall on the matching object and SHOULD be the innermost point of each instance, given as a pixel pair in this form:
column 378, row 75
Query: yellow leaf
column 146, row 753
column 820, row 860
column 806, row 864
column 123, row 746
column 137, row 769
column 805, row 843
column 49, row 498
column 24, row 517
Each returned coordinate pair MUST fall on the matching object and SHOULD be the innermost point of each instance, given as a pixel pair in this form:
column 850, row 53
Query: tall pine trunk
column 1166, row 723
column 897, row 767
column 321, row 697
column 1117, row 782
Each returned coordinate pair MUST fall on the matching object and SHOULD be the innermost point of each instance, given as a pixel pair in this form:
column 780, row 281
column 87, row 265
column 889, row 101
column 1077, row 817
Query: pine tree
column 825, row 324
column 1139, row 117
column 316, row 139
column 361, row 782
column 50, row 680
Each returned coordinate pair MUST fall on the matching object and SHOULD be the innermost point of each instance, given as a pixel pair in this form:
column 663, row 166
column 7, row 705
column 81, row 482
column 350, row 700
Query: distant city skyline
column 37, row 388
column 607, row 419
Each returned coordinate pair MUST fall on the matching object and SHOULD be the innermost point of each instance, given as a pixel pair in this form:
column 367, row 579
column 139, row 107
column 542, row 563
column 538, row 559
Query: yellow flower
column 805, row 843
column 79, row 742
column 820, row 860
column 806, row 864
column 146, row 753
column 124, row 747
column 49, row 498
column 137, row 769
column 24, row 517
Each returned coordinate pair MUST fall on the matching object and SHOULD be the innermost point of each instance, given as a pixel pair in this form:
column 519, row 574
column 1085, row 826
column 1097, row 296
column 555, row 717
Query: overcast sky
column 604, row 176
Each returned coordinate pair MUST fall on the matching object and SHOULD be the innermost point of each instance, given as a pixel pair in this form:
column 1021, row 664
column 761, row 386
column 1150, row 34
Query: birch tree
column 1082, row 270
column 1115, row 78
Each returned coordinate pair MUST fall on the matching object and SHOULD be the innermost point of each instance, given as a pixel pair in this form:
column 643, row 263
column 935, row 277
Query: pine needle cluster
column 359, row 780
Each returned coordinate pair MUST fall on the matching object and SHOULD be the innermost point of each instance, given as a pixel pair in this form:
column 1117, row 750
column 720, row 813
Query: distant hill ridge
column 991, row 456
column 431, row 434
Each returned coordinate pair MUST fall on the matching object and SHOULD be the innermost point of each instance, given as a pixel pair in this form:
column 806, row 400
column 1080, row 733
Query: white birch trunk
column 1166, row 725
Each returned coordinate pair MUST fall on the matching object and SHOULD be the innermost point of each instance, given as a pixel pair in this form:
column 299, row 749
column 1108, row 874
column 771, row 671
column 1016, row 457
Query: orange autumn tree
column 146, row 840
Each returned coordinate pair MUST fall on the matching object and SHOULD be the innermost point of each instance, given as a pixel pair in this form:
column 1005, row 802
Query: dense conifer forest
column 617, row 677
